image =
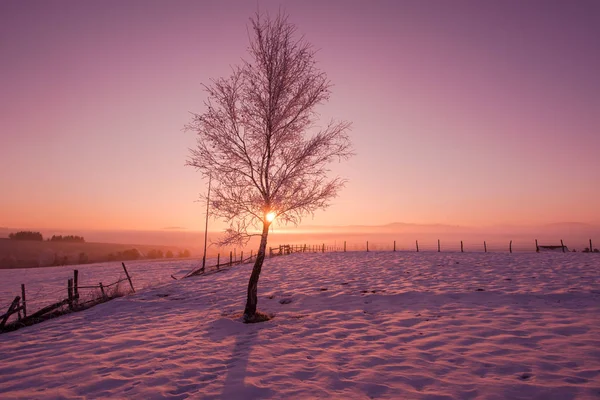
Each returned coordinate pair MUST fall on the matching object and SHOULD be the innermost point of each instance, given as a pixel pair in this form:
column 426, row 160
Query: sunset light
column 271, row 216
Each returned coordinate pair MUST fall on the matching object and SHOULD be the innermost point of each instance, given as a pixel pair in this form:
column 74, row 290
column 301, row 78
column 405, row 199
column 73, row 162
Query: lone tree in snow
column 259, row 141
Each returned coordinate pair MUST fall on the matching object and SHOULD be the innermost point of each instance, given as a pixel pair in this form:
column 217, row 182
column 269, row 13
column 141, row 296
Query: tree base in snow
column 257, row 317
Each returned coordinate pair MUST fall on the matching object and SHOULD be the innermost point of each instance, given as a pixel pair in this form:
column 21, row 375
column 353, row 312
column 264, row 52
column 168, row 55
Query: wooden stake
column 484, row 247
column 128, row 277
column 510, row 246
column 417, row 242
column 562, row 245
column 23, row 301
column 461, row 247
column 439, row 248
column 345, row 246
column 70, row 293
column 230, row 257
column 591, row 249
column 218, row 259
column 102, row 290
column 394, row 245
column 76, row 285
column 537, row 248
column 367, row 246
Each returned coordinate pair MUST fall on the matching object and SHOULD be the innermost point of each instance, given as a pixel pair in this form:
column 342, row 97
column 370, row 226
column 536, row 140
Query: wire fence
column 483, row 246
column 17, row 316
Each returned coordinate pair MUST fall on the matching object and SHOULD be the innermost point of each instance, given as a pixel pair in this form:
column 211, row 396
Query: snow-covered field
column 347, row 325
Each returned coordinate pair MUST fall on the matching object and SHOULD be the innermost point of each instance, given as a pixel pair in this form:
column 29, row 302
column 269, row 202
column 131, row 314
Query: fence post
column 394, row 245
column 241, row 257
column 537, row 248
column 23, row 299
column 323, row 247
column 367, row 246
column 344, row 246
column 510, row 246
column 484, row 247
column 218, row 259
column 417, row 242
column 102, row 290
column 461, row 247
column 439, row 248
column 230, row 257
column 70, row 293
column 128, row 277
column 76, row 285
column 591, row 248
column 562, row 245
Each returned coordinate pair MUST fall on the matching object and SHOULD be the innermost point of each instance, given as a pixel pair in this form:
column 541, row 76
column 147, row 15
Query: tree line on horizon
column 134, row 254
column 37, row 236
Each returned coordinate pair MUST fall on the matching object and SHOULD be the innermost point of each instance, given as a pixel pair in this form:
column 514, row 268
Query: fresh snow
column 347, row 325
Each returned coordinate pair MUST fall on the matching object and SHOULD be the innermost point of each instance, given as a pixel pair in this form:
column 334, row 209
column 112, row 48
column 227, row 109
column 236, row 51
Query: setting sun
column 271, row 216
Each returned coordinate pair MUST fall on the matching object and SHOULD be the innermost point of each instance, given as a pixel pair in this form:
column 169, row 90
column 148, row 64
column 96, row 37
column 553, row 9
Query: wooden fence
column 322, row 248
column 233, row 260
column 19, row 304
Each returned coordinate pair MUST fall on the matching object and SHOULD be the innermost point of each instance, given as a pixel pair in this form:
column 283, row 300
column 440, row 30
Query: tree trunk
column 252, row 300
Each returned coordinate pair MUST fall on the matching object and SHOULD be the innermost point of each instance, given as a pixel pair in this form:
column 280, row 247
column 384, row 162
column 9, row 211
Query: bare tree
column 260, row 142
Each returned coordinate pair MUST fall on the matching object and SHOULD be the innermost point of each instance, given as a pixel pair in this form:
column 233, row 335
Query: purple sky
column 464, row 112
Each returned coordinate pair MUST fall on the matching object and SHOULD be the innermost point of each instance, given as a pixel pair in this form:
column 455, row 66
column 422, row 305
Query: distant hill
column 28, row 254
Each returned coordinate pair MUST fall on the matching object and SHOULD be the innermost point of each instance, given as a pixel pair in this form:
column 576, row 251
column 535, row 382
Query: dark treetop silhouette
column 258, row 140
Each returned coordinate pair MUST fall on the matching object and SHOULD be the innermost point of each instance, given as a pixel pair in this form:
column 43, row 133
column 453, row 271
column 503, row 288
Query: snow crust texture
column 347, row 325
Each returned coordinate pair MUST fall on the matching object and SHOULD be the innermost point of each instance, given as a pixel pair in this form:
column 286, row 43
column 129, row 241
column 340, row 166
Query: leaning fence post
column 591, row 248
column 417, row 242
column 537, row 248
column 102, row 290
column 128, row 277
column 461, row 247
column 13, row 305
column 70, row 293
column 484, row 247
column 23, row 297
column 562, row 245
column 218, row 259
column 510, row 246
